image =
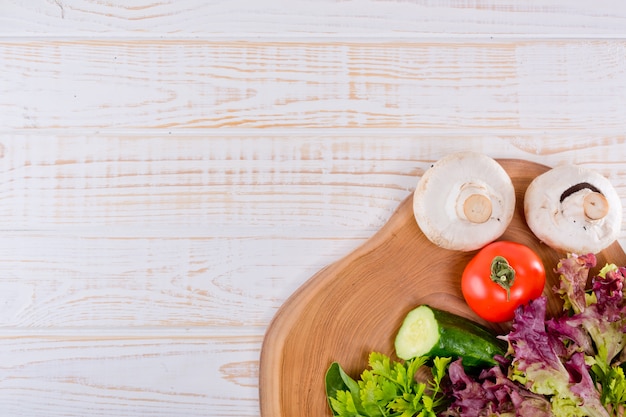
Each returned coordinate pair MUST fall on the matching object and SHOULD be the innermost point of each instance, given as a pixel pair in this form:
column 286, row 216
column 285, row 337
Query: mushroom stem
column 477, row 208
column 595, row 205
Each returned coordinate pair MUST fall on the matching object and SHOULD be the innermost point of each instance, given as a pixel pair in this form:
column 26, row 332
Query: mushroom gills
column 577, row 187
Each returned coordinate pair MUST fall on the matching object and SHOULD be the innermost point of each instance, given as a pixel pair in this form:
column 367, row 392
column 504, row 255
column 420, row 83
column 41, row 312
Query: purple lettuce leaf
column 492, row 394
column 602, row 317
column 574, row 272
column 584, row 387
column 608, row 289
column 573, row 337
column 536, row 362
column 548, row 364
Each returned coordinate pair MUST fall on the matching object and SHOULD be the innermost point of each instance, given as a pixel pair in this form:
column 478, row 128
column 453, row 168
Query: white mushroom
column 464, row 201
column 573, row 209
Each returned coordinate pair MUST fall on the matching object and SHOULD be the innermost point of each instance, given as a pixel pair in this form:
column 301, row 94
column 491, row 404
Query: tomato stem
column 502, row 274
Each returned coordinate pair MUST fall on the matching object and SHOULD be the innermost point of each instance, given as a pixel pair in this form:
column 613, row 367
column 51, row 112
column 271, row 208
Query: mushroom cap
column 464, row 201
column 573, row 209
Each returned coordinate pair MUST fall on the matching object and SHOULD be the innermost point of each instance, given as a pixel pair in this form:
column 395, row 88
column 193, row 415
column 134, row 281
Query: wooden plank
column 55, row 280
column 488, row 86
column 368, row 18
column 197, row 182
column 129, row 376
column 205, row 184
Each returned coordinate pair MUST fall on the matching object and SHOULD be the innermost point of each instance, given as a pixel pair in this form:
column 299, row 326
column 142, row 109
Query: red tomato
column 489, row 299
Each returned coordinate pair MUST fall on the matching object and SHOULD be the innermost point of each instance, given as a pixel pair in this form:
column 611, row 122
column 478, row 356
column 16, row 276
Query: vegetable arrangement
column 569, row 365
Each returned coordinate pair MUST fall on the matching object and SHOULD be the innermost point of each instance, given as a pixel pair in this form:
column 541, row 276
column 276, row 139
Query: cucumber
column 429, row 332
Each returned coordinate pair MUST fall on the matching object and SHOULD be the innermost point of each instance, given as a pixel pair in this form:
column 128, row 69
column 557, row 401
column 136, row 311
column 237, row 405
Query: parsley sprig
column 387, row 389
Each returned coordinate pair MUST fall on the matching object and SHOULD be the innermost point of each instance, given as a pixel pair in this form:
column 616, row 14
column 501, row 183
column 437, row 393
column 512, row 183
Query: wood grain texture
column 129, row 374
column 364, row 18
column 131, row 231
column 246, row 183
column 356, row 305
column 52, row 280
column 503, row 86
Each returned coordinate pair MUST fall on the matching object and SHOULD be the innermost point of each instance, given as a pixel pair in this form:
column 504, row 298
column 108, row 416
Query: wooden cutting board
column 356, row 305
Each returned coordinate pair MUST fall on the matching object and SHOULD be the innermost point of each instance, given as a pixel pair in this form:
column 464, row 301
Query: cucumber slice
column 430, row 332
column 418, row 334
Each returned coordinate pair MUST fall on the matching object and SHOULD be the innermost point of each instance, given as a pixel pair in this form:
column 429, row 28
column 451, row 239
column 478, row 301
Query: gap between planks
column 141, row 332
column 304, row 133
column 261, row 37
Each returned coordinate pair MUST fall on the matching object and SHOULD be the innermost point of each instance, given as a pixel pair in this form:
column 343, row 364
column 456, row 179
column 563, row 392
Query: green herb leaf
column 344, row 390
column 387, row 389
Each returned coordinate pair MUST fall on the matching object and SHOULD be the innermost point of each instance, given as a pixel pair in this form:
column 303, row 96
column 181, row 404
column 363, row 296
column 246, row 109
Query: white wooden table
column 172, row 171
